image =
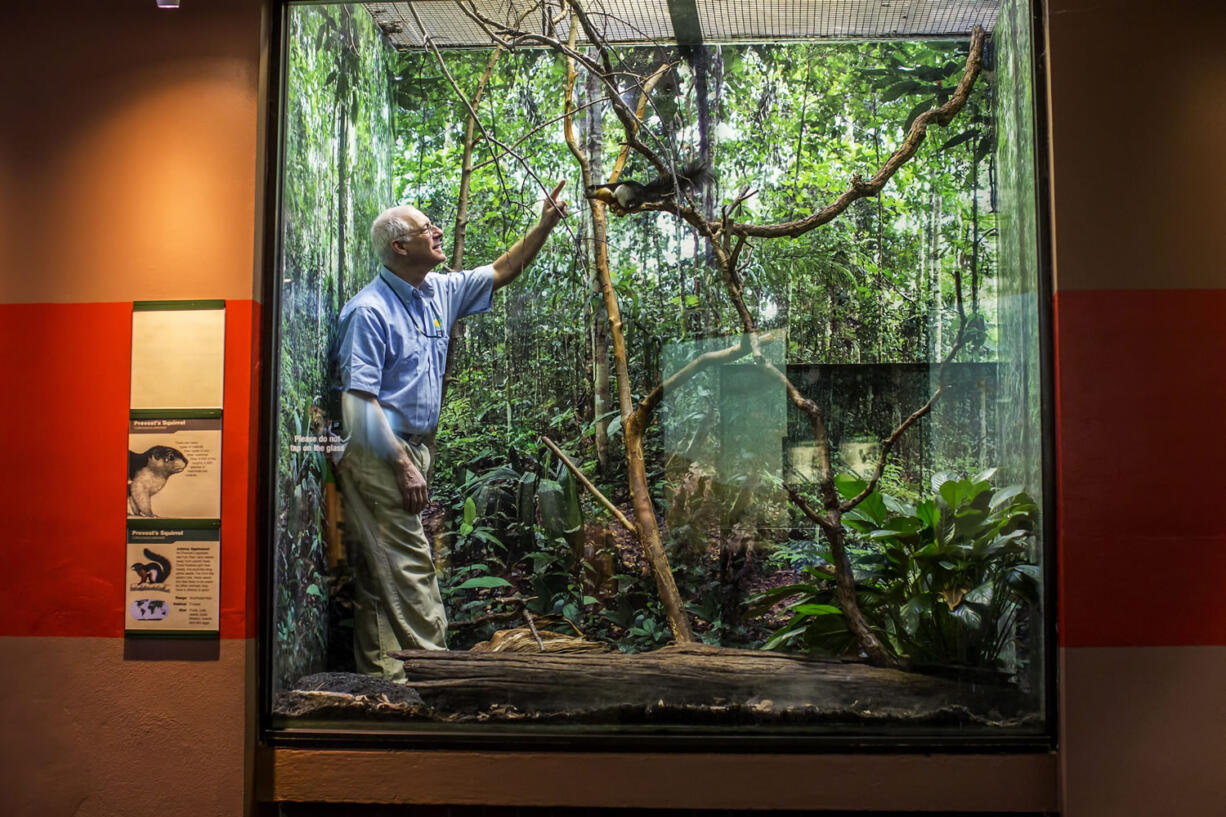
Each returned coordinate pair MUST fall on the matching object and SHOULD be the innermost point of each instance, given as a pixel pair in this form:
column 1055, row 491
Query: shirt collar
column 404, row 289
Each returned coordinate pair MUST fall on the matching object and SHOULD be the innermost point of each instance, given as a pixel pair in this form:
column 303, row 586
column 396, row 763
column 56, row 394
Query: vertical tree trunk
column 460, row 231
column 601, row 396
column 636, row 467
column 933, row 276
column 879, row 250
column 974, row 148
column 640, row 489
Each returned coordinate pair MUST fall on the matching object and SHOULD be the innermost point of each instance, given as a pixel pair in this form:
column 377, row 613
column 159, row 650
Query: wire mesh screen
column 475, row 23
column 724, row 20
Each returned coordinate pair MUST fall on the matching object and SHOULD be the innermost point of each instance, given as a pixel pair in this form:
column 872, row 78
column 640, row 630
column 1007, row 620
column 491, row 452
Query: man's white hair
column 388, row 227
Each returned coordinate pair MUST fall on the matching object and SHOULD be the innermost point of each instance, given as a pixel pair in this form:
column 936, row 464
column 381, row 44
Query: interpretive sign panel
column 178, row 351
column 174, row 468
column 173, row 580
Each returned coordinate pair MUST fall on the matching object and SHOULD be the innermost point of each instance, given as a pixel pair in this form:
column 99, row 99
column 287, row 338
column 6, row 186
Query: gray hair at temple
column 388, row 227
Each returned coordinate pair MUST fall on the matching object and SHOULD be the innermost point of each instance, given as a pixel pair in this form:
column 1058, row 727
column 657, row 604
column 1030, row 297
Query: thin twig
column 678, row 378
column 506, row 615
column 490, row 139
column 532, row 626
column 807, row 509
column 587, row 484
column 534, row 131
column 574, row 626
column 888, row 442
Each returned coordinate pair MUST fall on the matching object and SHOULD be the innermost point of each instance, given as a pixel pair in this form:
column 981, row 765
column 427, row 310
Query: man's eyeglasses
column 430, row 227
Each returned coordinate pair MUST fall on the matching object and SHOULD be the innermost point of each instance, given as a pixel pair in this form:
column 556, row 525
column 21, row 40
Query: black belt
column 414, row 439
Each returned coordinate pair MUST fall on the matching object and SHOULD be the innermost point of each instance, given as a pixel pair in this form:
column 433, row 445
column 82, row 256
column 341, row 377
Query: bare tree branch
column 859, row 188
column 687, row 372
column 489, row 138
column 587, row 484
column 807, row 509
column 888, row 442
column 915, row 137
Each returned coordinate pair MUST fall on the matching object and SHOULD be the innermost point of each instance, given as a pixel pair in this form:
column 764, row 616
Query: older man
column 390, row 360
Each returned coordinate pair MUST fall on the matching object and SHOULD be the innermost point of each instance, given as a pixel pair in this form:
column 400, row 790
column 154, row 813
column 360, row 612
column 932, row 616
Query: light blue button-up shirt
column 393, row 340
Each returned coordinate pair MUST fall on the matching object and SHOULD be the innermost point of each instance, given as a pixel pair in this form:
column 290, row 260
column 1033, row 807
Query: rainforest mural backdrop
column 765, row 450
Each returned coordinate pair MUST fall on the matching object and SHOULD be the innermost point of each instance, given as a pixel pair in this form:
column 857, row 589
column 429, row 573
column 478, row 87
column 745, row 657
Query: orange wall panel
column 129, row 150
column 67, row 427
column 239, row 462
column 66, row 423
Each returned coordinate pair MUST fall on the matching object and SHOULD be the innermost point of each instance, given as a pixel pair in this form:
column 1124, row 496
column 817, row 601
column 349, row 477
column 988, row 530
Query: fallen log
column 691, row 683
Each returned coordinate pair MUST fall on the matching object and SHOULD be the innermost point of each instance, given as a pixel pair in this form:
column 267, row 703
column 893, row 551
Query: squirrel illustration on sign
column 147, row 474
column 154, row 571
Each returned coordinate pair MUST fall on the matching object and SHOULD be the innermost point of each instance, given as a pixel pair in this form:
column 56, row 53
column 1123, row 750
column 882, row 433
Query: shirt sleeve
column 472, row 292
column 361, row 351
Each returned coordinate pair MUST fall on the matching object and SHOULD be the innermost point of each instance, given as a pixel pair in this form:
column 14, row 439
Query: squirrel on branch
column 630, row 195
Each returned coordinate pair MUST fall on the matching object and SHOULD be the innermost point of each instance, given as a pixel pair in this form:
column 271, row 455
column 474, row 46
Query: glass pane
column 685, row 474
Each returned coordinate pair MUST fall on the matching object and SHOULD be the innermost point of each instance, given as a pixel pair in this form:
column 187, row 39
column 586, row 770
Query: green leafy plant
column 469, row 531
column 941, row 582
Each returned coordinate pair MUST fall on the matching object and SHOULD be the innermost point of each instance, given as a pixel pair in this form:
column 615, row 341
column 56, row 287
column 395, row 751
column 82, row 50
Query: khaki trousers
column 397, row 605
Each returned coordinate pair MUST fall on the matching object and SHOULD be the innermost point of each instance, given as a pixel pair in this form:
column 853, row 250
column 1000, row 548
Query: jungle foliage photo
column 754, row 443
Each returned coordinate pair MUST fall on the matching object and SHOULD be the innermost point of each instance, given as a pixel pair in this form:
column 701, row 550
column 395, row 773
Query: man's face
column 424, row 245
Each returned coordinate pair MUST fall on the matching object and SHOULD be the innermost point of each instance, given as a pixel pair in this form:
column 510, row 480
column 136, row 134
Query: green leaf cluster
column 942, row 581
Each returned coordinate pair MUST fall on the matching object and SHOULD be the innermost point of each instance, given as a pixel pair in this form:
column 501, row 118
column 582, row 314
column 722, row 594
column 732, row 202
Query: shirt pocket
column 438, row 349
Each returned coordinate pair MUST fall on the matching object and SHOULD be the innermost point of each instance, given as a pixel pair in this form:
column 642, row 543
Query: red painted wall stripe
column 1140, row 404
column 1141, row 409
column 239, row 461
column 65, row 421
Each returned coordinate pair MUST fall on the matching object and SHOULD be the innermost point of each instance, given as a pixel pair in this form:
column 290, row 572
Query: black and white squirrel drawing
column 154, row 571
column 147, row 474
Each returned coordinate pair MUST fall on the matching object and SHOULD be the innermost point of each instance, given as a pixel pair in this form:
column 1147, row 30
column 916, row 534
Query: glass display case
column 752, row 450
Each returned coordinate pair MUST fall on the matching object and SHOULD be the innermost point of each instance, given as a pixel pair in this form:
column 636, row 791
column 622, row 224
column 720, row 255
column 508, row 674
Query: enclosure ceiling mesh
column 640, row 21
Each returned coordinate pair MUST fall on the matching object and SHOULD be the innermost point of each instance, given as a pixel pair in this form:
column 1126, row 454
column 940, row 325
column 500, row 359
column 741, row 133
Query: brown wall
column 128, row 170
column 1138, row 106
